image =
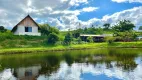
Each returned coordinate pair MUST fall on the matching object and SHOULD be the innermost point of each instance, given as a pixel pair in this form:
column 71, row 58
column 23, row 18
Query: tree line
column 122, row 31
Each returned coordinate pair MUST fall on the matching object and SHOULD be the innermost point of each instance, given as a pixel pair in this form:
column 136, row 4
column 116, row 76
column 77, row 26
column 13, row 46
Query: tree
column 125, row 36
column 76, row 34
column 124, row 31
column 68, row 38
column 106, row 26
column 47, row 29
column 52, row 38
column 124, row 25
column 2, row 29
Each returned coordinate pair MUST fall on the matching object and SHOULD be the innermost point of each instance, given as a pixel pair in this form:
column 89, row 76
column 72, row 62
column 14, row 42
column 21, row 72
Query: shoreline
column 71, row 47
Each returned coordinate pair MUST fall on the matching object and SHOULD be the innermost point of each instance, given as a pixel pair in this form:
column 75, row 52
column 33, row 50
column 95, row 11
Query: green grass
column 53, row 48
column 72, row 47
column 127, row 44
column 10, row 43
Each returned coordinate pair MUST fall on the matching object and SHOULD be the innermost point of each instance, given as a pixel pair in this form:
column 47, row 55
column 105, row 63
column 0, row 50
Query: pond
column 96, row 64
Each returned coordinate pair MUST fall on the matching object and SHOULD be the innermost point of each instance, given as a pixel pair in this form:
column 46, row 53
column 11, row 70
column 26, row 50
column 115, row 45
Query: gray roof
column 92, row 35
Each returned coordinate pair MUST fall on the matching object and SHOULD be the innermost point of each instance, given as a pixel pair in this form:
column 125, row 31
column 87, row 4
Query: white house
column 27, row 27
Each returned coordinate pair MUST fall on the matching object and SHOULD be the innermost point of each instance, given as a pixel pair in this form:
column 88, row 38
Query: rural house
column 27, row 26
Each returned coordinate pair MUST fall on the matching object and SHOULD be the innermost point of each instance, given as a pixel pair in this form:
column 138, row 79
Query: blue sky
column 106, row 7
column 65, row 14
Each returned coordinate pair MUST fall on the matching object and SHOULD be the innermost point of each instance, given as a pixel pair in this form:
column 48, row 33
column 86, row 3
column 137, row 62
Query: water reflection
column 107, row 64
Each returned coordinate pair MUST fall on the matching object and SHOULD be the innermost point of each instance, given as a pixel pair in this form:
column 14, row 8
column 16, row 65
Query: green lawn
column 73, row 47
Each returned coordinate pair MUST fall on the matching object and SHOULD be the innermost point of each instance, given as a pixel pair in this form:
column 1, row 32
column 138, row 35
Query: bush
column 46, row 29
column 2, row 29
column 90, row 39
column 110, row 40
column 52, row 38
column 79, row 40
column 6, row 35
column 68, row 38
column 126, row 36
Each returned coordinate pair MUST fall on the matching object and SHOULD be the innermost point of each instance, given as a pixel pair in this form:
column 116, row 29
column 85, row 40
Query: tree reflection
column 69, row 59
column 50, row 65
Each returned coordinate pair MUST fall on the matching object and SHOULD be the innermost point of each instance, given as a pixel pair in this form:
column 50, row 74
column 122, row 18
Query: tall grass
column 8, row 40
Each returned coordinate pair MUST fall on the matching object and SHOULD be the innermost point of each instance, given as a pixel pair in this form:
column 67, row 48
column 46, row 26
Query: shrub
column 90, row 39
column 68, row 38
column 52, row 38
column 79, row 40
column 110, row 40
column 46, row 29
column 2, row 29
column 126, row 36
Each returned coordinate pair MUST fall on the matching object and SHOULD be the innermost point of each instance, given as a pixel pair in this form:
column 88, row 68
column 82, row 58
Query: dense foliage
column 2, row 29
column 124, row 25
column 106, row 26
column 68, row 38
column 52, row 38
column 46, row 29
column 90, row 39
column 124, row 31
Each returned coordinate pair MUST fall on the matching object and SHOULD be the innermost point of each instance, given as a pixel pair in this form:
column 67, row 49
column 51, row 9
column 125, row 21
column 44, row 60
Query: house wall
column 21, row 72
column 21, row 31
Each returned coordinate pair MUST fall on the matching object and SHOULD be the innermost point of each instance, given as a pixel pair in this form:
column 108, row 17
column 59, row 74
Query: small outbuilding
column 27, row 26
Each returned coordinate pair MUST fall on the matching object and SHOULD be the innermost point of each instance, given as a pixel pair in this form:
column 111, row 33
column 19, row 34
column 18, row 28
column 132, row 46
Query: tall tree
column 47, row 29
column 124, row 25
column 124, row 31
column 106, row 26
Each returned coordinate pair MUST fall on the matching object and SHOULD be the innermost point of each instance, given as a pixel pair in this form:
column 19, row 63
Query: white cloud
column 75, row 71
column 130, row 1
column 77, row 2
column 57, row 13
column 11, row 12
column 134, row 15
column 89, row 9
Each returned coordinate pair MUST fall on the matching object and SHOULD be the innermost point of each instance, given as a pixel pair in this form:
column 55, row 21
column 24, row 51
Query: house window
column 28, row 29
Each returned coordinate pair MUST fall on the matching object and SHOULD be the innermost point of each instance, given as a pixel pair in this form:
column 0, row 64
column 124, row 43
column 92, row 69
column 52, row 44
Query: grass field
column 72, row 47
column 10, row 43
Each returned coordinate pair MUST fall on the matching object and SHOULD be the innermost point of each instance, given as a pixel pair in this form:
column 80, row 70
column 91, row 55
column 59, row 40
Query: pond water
column 98, row 64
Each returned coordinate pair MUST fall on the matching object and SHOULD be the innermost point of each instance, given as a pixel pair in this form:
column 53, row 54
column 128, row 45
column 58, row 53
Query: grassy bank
column 72, row 47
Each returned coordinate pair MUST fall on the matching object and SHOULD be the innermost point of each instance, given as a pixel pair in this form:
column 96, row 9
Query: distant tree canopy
column 47, row 29
column 124, row 31
column 2, row 29
column 106, row 26
column 91, row 30
column 124, row 25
